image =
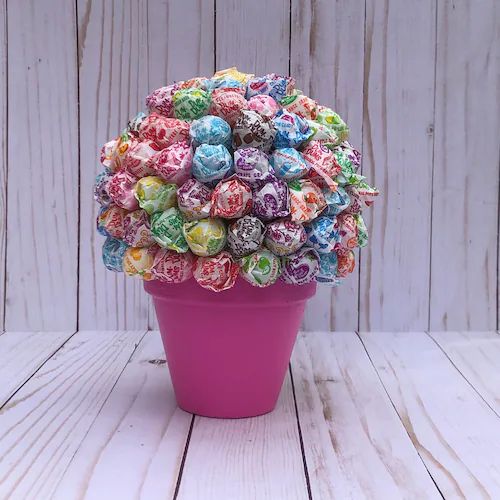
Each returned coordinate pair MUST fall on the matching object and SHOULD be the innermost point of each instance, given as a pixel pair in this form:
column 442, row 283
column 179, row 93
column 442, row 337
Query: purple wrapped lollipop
column 284, row 237
column 194, row 200
column 301, row 267
column 271, row 200
column 252, row 166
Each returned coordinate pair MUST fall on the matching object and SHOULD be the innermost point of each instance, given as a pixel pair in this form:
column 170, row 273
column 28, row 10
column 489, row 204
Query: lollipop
column 323, row 167
column 137, row 159
column 163, row 131
column 194, row 200
column 113, row 251
column 231, row 199
column 348, row 231
column 264, row 105
column 167, row 230
column 284, row 237
column 323, row 234
column 205, row 237
column 332, row 120
column 252, row 130
column 138, row 261
column 100, row 188
column 154, row 194
column 271, row 200
column 137, row 231
column 211, row 163
column 160, row 101
column 210, row 130
column 216, row 273
column 291, row 130
column 252, row 166
column 336, row 201
column 120, row 189
column 245, row 235
column 328, row 269
column 272, row 84
column 191, row 103
column 301, row 105
column 172, row 267
column 301, row 267
column 114, row 152
column 288, row 164
column 228, row 104
column 173, row 163
column 261, row 268
column 306, row 200
column 346, row 262
column 110, row 221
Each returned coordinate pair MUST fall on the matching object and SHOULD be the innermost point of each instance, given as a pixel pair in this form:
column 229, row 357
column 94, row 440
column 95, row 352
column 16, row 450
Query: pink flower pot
column 228, row 352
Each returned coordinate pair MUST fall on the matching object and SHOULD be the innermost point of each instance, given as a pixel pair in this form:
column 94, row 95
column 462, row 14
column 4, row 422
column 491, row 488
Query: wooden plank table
column 377, row 415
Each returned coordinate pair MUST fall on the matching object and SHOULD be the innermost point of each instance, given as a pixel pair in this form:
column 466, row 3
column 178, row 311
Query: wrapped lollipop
column 252, row 130
column 134, row 124
column 212, row 163
column 264, row 105
column 349, row 161
column 174, row 163
column 272, row 84
column 100, row 188
column 306, row 200
column 137, row 231
column 291, row 130
column 205, row 237
column 337, row 201
column 231, row 199
column 154, row 194
column 271, row 200
column 332, row 120
column 110, row 221
column 323, row 167
column 137, row 262
column 160, row 100
column 113, row 251
column 245, row 235
column 234, row 74
column 216, row 273
column 323, row 234
column 252, row 166
column 301, row 105
column 362, row 231
column 113, row 152
column 320, row 132
column 163, row 131
column 191, row 103
column 328, row 269
column 210, row 130
column 346, row 262
column 284, row 237
column 228, row 104
column 120, row 188
column 301, row 267
column 137, row 160
column 172, row 267
column 194, row 200
column 288, row 164
column 166, row 228
column 362, row 196
column 261, row 268
column 348, row 231
column 227, row 83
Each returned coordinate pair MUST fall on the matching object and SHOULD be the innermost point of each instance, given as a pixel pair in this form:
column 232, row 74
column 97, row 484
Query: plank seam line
column 6, row 157
column 397, row 413
column 70, row 461
column 215, row 36
column 301, row 439
column 184, row 456
column 462, row 375
column 498, row 248
column 289, row 38
column 49, row 356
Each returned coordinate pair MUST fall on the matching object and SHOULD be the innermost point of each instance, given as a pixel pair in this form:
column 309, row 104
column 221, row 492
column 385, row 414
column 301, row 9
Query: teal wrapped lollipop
column 210, row 130
column 327, row 274
column 113, row 251
column 211, row 163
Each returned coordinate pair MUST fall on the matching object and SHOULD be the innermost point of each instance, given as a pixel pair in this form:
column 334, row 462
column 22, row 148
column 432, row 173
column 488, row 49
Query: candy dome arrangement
column 232, row 176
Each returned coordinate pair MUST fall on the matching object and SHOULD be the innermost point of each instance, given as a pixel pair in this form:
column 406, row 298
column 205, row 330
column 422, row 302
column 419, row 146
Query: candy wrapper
column 210, row 130
column 216, row 273
column 322, row 133
column 252, row 166
column 137, row 231
column 137, row 159
column 120, row 188
column 228, row 104
column 284, row 237
column 291, row 130
column 160, row 100
column 362, row 231
column 167, row 230
column 346, row 262
column 231, row 199
column 212, row 163
column 163, row 131
column 172, row 267
column 348, row 231
column 264, row 105
column 261, row 268
column 194, row 200
column 252, row 130
column 110, row 221
column 227, row 83
column 174, row 163
column 306, row 200
column 100, row 188
column 205, row 237
column 349, row 161
column 328, row 269
column 199, row 82
column 138, row 261
column 288, row 164
column 191, row 103
column 337, row 201
column 301, row 267
column 362, row 196
column 113, row 152
column 271, row 200
column 272, row 85
column 245, row 235
column 155, row 195
column 332, row 120
column 323, row 234
column 322, row 164
column 134, row 124
column 234, row 74
column 113, row 251
column 301, row 105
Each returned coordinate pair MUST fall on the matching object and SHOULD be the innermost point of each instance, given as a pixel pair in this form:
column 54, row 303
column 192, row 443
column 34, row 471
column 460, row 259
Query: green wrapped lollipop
column 155, row 195
column 166, row 228
column 205, row 237
column 328, row 117
column 191, row 104
column 261, row 268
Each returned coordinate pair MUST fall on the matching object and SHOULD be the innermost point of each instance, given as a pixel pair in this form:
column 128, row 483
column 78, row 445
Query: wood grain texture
column 42, row 215
column 254, row 36
column 3, row 156
column 44, row 423
column 246, row 458
column 139, row 429
column 397, row 147
column 476, row 356
column 326, row 58
column 22, row 354
column 453, row 429
column 349, row 425
column 464, row 289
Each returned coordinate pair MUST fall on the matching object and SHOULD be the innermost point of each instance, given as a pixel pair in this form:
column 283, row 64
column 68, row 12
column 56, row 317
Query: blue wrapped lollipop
column 328, row 269
column 113, row 251
column 288, row 164
column 291, row 130
column 212, row 163
column 323, row 234
column 210, row 130
column 337, row 201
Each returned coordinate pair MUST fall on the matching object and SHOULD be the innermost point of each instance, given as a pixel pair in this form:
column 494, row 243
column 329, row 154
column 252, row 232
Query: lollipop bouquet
column 232, row 181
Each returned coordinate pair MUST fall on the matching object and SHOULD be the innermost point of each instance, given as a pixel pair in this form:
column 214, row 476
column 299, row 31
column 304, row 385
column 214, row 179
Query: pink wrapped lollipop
column 265, row 105
column 120, row 188
column 160, row 100
column 227, row 104
column 173, row 163
column 164, row 131
column 172, row 267
column 231, row 199
column 110, row 221
column 136, row 161
column 216, row 273
column 323, row 167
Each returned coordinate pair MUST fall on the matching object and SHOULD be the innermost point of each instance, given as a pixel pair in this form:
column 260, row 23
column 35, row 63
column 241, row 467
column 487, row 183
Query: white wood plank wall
column 418, row 82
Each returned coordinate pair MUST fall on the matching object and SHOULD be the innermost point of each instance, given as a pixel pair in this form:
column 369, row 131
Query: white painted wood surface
column 455, row 432
column 351, row 426
column 426, row 116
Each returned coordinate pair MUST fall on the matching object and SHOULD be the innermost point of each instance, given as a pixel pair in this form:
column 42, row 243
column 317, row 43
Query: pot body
column 228, row 352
